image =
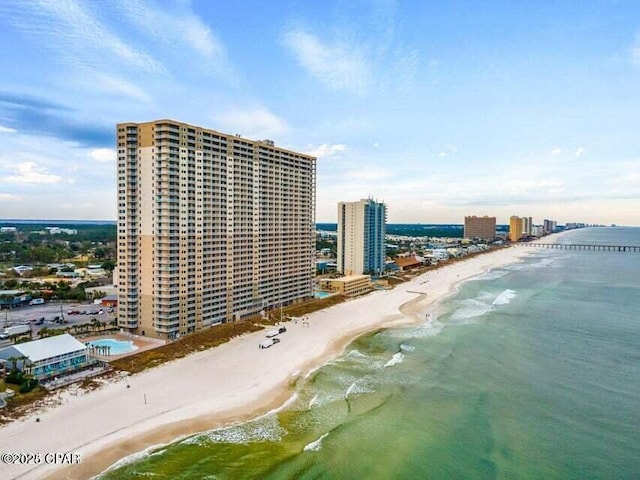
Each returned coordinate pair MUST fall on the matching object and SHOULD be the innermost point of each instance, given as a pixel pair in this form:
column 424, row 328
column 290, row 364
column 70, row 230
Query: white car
column 276, row 332
column 270, row 342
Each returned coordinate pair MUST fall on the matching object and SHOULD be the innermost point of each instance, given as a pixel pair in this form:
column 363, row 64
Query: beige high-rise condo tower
column 480, row 227
column 211, row 227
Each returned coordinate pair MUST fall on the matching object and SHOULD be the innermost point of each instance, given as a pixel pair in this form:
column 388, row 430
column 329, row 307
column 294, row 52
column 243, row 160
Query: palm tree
column 14, row 362
column 23, row 358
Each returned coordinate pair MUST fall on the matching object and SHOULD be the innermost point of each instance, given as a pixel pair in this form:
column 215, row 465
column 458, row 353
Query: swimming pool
column 322, row 294
column 116, row 347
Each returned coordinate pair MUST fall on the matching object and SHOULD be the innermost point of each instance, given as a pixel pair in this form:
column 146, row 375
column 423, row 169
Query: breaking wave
column 315, row 445
column 505, row 297
column 397, row 358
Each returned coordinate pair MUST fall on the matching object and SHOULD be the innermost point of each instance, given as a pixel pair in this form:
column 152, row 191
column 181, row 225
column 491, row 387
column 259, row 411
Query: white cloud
column 7, row 130
column 181, row 33
column 9, row 197
column 258, row 123
column 103, row 154
column 376, row 145
column 579, row 151
column 30, row 172
column 556, row 151
column 119, row 86
column 74, row 30
column 326, row 150
column 171, row 23
column 339, row 65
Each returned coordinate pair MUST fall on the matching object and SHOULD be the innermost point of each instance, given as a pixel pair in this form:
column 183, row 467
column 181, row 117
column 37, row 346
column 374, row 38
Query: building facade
column 516, row 228
column 350, row 286
column 480, row 227
column 211, row 227
column 49, row 357
column 549, row 226
column 361, row 232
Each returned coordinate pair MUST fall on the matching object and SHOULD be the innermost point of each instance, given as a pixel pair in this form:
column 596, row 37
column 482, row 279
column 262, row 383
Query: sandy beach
column 231, row 383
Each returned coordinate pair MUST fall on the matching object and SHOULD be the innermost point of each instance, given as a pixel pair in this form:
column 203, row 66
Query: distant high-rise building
column 516, row 227
column 361, row 232
column 527, row 226
column 480, row 227
column 549, row 226
column 211, row 227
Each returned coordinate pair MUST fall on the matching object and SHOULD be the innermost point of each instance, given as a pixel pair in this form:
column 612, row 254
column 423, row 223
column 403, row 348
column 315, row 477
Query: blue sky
column 440, row 109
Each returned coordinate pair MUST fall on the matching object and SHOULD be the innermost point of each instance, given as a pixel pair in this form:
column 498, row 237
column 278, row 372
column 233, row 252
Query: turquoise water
column 322, row 294
column 528, row 372
column 118, row 347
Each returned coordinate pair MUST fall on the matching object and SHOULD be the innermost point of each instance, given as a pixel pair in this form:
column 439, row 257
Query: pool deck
column 143, row 343
column 323, row 294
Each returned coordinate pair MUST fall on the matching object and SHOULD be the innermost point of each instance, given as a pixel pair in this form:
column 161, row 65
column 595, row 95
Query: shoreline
column 247, row 390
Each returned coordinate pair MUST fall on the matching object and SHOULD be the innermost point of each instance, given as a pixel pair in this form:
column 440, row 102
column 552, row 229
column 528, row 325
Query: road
column 49, row 311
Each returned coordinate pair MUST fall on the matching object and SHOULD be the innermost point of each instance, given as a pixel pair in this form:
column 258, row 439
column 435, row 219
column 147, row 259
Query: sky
column 439, row 109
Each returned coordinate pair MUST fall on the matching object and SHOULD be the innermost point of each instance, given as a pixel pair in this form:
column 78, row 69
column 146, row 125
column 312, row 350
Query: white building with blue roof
column 49, row 357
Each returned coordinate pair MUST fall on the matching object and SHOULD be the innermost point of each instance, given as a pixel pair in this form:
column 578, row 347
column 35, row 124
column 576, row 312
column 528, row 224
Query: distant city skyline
column 438, row 110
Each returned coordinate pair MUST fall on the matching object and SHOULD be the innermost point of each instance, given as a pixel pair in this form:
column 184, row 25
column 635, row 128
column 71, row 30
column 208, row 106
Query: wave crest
column 505, row 297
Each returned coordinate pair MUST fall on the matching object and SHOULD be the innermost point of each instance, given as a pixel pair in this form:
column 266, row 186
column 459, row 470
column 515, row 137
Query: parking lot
column 55, row 314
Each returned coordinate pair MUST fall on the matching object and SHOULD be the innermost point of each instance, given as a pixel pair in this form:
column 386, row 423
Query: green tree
column 109, row 265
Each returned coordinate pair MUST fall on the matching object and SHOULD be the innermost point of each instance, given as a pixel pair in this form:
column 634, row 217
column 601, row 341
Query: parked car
column 269, row 343
column 276, row 332
column 73, row 312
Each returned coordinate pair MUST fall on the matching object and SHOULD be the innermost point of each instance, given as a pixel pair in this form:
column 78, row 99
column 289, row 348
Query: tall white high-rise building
column 211, row 227
column 361, row 232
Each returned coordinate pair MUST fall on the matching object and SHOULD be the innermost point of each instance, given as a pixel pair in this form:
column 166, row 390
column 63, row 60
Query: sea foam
column 267, row 430
column 407, row 348
column 315, row 445
column 471, row 308
column 133, row 458
column 397, row 358
column 505, row 297
column 356, row 354
column 350, row 389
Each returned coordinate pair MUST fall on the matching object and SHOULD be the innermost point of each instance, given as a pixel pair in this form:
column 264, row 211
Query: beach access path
column 233, row 382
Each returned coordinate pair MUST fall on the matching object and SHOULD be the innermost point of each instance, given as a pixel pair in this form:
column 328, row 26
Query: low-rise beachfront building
column 49, row 357
column 350, row 285
column 407, row 263
column 440, row 254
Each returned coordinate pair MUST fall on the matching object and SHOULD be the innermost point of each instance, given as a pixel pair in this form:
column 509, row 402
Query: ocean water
column 527, row 372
